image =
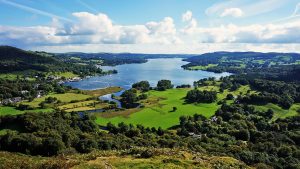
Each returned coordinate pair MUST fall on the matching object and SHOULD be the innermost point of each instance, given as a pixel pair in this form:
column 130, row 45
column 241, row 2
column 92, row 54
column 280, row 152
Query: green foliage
column 164, row 85
column 142, row 85
column 201, row 96
column 129, row 98
column 48, row 134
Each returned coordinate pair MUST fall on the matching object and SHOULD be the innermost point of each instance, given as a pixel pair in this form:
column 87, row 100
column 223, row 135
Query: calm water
column 152, row 71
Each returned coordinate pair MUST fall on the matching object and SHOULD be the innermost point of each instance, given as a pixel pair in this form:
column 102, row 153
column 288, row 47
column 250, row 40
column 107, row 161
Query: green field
column 279, row 112
column 160, row 114
column 259, row 61
column 8, row 76
column 66, row 98
column 66, row 74
column 159, row 105
column 14, row 76
column 83, row 106
column 202, row 67
column 77, row 104
column 5, row 110
column 101, row 92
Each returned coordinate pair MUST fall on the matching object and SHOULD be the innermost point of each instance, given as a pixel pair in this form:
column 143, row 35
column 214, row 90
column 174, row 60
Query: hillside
column 119, row 58
column 164, row 158
column 216, row 57
column 284, row 66
column 14, row 59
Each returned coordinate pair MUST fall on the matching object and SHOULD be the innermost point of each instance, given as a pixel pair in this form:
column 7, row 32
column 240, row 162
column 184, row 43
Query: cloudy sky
column 151, row 26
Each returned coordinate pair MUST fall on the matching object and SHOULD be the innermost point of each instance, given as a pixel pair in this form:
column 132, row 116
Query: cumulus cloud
column 166, row 26
column 233, row 12
column 91, row 29
column 187, row 16
column 249, row 8
column 269, row 33
column 191, row 23
column 231, row 33
column 99, row 29
column 172, row 48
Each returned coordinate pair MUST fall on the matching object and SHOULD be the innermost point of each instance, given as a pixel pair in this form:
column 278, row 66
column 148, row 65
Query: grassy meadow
column 66, row 98
column 280, row 112
column 202, row 67
column 158, row 110
column 5, row 110
column 159, row 105
column 81, row 104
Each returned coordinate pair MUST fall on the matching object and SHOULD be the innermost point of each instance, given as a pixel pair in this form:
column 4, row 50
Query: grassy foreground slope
column 164, row 158
column 5, row 110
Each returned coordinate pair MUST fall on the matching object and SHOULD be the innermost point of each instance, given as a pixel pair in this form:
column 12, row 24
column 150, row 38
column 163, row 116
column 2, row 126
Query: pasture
column 278, row 111
column 66, row 98
column 5, row 110
column 159, row 105
column 158, row 111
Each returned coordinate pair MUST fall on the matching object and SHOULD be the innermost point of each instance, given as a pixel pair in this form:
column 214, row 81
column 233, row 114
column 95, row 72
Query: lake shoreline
column 152, row 71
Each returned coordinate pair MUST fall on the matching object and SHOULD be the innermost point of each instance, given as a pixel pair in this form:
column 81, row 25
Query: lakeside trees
column 164, row 85
column 129, row 98
column 142, row 85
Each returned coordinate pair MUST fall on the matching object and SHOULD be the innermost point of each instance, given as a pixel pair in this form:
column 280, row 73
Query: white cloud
column 166, row 26
column 249, row 8
column 171, row 48
column 187, row 16
column 233, row 12
column 92, row 29
column 98, row 29
column 192, row 23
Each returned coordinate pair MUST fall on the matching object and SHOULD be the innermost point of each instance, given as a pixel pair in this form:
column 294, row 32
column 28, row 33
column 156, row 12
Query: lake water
column 152, row 71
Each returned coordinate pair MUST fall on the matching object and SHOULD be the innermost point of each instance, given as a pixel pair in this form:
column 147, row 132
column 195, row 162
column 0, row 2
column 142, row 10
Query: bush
column 164, row 85
column 229, row 97
column 142, row 85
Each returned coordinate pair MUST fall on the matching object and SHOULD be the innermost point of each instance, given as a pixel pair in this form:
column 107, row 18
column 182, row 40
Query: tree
column 174, row 109
column 164, row 85
column 129, row 97
column 284, row 151
column 201, row 96
column 142, row 96
column 242, row 135
column 229, row 96
column 160, row 131
column 142, row 85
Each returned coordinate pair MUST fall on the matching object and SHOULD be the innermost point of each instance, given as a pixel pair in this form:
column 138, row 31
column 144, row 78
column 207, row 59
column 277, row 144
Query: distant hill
column 121, row 58
column 216, row 57
column 284, row 66
column 14, row 59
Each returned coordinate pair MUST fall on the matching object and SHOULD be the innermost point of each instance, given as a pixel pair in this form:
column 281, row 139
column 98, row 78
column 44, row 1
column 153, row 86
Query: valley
column 155, row 106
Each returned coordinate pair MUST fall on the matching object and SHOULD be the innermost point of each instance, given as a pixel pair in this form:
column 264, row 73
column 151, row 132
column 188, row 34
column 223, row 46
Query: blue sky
column 151, row 26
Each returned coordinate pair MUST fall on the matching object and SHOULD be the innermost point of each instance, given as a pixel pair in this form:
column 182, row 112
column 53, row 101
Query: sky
column 151, row 26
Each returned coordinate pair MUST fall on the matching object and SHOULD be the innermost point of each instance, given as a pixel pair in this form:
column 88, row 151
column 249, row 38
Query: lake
column 152, row 71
